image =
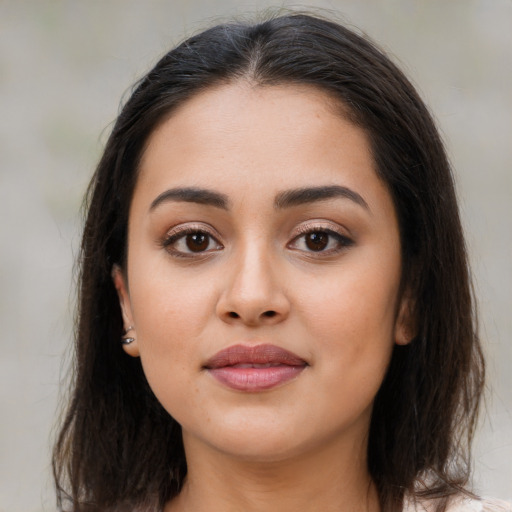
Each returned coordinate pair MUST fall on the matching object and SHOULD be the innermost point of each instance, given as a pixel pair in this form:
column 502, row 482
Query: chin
column 262, row 448
column 253, row 436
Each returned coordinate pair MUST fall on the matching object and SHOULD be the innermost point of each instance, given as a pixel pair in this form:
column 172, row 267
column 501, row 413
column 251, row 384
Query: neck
column 327, row 480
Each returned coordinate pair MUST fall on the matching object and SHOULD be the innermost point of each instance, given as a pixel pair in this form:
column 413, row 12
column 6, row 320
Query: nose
column 253, row 292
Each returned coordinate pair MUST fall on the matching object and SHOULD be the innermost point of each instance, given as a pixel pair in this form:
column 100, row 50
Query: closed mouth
column 254, row 368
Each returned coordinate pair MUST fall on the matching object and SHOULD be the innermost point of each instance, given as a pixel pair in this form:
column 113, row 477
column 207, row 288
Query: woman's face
column 263, row 273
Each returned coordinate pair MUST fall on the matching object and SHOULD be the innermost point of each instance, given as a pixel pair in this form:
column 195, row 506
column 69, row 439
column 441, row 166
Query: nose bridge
column 253, row 291
column 253, row 272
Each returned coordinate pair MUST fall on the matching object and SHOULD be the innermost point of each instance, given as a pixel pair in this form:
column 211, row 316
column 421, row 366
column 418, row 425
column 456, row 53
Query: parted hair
column 117, row 448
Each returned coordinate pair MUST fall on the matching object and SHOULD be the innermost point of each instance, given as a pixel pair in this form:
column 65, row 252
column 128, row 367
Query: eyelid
column 334, row 230
column 189, row 227
column 321, row 225
column 173, row 234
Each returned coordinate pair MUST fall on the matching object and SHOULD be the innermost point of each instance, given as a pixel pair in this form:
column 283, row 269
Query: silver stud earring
column 126, row 340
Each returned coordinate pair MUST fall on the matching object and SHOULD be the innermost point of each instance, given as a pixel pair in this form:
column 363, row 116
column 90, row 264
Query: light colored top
column 462, row 504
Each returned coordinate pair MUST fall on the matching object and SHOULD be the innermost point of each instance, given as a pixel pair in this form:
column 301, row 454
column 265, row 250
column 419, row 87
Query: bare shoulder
column 494, row 505
column 461, row 504
column 480, row 505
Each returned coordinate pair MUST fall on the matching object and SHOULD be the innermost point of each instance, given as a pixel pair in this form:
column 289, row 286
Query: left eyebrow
column 298, row 196
column 192, row 195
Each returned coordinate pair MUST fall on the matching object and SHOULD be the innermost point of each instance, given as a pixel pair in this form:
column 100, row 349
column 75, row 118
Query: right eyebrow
column 192, row 195
column 298, row 196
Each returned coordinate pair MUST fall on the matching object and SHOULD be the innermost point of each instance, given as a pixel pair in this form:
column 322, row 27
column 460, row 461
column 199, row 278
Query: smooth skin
column 225, row 248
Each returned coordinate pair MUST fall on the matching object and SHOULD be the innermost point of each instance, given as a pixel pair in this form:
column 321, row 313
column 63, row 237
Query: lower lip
column 255, row 379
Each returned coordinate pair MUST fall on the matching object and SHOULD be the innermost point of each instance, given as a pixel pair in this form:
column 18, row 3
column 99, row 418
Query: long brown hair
column 117, row 446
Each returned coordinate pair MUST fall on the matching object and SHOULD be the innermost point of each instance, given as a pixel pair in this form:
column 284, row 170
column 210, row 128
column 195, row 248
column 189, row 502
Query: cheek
column 170, row 315
column 167, row 304
column 352, row 325
column 352, row 314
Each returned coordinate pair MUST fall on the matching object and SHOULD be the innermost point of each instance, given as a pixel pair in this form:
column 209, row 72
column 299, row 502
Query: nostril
column 265, row 314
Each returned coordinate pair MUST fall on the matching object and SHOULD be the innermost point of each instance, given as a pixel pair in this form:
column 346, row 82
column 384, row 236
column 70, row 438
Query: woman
column 275, row 305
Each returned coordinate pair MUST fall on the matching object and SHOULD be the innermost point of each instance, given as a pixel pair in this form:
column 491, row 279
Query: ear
column 405, row 325
column 120, row 284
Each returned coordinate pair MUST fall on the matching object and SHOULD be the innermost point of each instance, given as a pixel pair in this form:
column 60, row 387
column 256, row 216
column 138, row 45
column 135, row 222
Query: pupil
column 317, row 241
column 197, row 242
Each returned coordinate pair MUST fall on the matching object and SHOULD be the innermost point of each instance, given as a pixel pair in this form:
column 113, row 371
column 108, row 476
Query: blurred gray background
column 64, row 66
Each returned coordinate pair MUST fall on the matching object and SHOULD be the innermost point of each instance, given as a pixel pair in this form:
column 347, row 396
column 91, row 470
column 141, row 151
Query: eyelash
column 342, row 241
column 181, row 232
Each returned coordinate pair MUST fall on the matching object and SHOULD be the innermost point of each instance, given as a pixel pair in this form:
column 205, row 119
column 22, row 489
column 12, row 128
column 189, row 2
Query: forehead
column 240, row 127
column 242, row 108
column 252, row 143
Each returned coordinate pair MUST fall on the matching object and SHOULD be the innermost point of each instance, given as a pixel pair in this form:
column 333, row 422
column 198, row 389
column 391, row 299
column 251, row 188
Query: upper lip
column 258, row 354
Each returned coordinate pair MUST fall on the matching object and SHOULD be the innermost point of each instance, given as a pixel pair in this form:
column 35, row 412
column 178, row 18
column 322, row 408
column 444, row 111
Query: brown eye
column 324, row 242
column 189, row 242
column 197, row 242
column 316, row 241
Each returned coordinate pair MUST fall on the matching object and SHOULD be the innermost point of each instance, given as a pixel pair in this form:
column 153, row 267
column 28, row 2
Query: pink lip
column 256, row 368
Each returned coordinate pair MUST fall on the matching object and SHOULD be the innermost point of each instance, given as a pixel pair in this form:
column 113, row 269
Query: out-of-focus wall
column 64, row 65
